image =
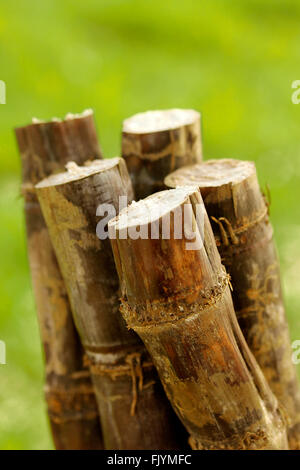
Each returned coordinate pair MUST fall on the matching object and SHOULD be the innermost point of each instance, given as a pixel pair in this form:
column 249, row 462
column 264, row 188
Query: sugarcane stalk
column 244, row 235
column 135, row 413
column 155, row 143
column 176, row 297
column 45, row 147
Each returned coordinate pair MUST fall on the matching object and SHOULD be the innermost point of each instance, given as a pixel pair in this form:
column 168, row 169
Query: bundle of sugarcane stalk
column 147, row 287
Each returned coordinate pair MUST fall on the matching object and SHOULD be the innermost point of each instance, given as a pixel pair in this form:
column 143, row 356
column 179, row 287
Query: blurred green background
column 233, row 61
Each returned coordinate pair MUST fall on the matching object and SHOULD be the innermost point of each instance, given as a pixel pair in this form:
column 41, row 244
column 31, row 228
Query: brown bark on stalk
column 244, row 236
column 135, row 413
column 179, row 302
column 158, row 142
column 45, row 147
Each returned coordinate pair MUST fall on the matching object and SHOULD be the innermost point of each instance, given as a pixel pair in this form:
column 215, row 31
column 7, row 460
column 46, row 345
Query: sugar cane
column 155, row 143
column 244, row 235
column 176, row 297
column 45, row 147
column 134, row 410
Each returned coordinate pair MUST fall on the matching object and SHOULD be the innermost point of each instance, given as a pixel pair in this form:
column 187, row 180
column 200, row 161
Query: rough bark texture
column 179, row 302
column 134, row 410
column 244, row 236
column 157, row 142
column 45, row 148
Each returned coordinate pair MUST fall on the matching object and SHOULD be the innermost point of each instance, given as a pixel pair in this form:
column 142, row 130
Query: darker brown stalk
column 155, row 143
column 45, row 147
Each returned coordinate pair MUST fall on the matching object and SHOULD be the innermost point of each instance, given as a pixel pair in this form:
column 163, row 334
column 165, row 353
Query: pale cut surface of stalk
column 244, row 235
column 134, row 411
column 155, row 143
column 45, row 147
column 176, row 297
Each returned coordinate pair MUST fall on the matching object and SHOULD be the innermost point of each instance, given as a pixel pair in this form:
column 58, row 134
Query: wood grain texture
column 157, row 142
column 178, row 301
column 134, row 410
column 244, row 235
column 45, row 148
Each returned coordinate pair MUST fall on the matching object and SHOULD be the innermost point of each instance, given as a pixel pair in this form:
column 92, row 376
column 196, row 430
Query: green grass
column 234, row 61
